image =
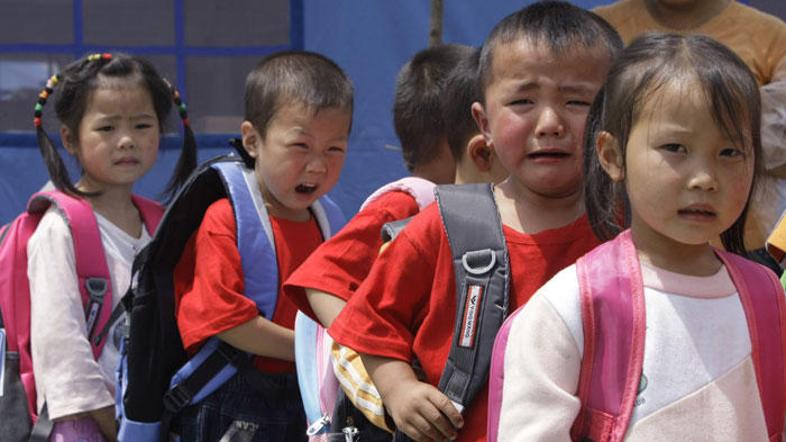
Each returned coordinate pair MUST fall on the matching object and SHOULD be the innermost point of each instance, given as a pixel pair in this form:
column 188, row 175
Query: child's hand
column 422, row 412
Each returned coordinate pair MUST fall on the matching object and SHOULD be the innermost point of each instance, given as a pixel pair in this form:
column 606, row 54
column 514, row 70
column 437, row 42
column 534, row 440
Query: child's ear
column 610, row 155
column 480, row 153
column 250, row 137
column 68, row 140
column 482, row 121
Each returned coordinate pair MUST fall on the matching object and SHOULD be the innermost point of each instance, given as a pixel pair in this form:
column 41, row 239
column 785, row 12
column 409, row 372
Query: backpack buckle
column 479, row 262
column 177, row 398
column 96, row 287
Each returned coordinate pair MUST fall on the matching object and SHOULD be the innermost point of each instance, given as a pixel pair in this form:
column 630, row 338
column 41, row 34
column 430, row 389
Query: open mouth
column 306, row 189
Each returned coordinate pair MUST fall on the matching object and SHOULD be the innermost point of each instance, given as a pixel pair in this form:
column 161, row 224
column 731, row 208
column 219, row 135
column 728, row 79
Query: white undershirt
column 67, row 376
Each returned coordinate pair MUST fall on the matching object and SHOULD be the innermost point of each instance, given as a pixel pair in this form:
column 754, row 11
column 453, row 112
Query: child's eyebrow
column 298, row 130
column 112, row 117
column 527, row 86
column 581, row 89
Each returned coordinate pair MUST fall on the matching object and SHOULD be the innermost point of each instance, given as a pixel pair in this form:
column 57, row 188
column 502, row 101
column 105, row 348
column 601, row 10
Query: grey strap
column 391, row 230
column 480, row 261
column 42, row 427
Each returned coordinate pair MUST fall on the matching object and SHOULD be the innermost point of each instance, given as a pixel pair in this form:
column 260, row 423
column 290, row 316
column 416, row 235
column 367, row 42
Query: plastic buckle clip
column 177, row 398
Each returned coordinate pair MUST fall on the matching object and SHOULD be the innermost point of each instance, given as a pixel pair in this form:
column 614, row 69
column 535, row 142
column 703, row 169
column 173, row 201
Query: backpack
column 18, row 393
column 156, row 378
column 480, row 262
column 319, row 372
column 612, row 363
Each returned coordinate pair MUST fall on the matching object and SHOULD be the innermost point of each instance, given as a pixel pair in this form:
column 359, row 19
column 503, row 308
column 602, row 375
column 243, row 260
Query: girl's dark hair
column 650, row 63
column 292, row 77
column 72, row 89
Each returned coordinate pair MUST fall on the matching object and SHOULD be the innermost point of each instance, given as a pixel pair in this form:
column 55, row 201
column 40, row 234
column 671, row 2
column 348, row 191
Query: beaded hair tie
column 181, row 107
column 46, row 92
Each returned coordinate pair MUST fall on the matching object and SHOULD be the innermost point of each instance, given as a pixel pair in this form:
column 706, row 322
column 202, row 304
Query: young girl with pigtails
column 656, row 335
column 112, row 108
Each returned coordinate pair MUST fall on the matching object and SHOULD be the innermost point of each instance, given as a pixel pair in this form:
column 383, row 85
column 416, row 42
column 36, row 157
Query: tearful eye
column 673, row 147
column 521, row 102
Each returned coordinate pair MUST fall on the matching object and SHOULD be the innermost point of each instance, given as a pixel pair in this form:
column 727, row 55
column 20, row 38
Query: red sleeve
column 208, row 280
column 341, row 264
column 385, row 313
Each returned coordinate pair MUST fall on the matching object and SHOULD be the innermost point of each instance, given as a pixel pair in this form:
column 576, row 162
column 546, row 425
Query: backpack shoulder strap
column 329, row 216
column 256, row 246
column 613, row 341
column 480, row 262
column 765, row 311
column 392, row 229
column 151, row 212
column 422, row 191
column 92, row 271
column 497, row 376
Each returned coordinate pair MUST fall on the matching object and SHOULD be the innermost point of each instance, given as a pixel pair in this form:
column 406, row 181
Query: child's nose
column 703, row 177
column 317, row 164
column 126, row 141
column 549, row 124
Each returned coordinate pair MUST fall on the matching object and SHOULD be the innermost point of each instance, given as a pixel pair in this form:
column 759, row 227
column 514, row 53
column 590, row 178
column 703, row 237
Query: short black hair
column 294, row 77
column 461, row 90
column 651, row 63
column 560, row 25
column 417, row 110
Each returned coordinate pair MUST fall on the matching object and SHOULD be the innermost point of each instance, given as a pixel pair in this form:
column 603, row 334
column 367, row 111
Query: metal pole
column 435, row 23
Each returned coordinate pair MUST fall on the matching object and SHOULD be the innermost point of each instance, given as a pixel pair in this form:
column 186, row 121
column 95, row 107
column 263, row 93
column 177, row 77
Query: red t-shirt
column 209, row 282
column 406, row 308
column 341, row 263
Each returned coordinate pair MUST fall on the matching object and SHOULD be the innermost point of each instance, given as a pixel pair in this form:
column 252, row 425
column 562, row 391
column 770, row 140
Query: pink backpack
column 614, row 341
column 94, row 285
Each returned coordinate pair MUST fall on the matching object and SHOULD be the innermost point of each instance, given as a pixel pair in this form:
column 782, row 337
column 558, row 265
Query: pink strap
column 88, row 250
column 497, row 376
column 762, row 298
column 328, row 388
column 151, row 211
column 613, row 316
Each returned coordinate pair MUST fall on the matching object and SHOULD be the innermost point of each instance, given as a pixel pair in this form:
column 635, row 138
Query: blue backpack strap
column 329, row 216
column 256, row 246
